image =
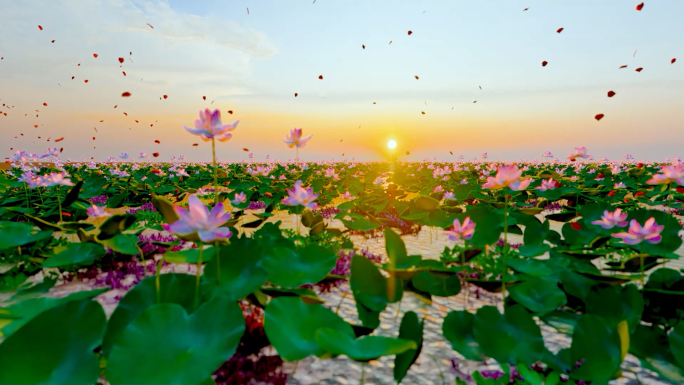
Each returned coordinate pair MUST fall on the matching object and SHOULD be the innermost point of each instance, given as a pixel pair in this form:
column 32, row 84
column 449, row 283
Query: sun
column 391, row 144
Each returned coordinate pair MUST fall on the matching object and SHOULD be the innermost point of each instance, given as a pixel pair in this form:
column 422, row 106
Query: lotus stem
column 200, row 246
column 158, row 280
column 213, row 158
column 218, row 263
column 503, row 254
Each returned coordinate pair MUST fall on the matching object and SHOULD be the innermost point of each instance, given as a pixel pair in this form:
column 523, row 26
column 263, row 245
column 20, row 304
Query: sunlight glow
column 391, row 144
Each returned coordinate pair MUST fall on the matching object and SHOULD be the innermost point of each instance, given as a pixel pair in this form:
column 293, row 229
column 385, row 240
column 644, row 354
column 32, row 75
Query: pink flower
column 507, row 176
column 610, row 220
column 209, row 126
column 449, row 196
column 239, row 198
column 294, row 139
column 619, row 185
column 580, row 152
column 347, row 196
column 649, row 232
column 301, row 196
column 547, row 154
column 198, row 220
column 465, row 230
column 438, row 188
column 547, row 185
column 668, row 174
column 97, row 212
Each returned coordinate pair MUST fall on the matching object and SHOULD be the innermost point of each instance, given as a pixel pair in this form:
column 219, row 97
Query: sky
column 252, row 63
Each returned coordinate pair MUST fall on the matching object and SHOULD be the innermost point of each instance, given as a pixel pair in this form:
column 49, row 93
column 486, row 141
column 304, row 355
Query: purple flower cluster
column 553, row 206
column 149, row 207
column 256, row 205
column 512, row 245
column 327, row 212
column 102, row 199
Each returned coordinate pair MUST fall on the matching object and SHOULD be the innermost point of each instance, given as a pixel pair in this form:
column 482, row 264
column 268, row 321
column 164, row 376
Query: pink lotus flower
column 610, row 220
column 547, row 185
column 619, row 185
column 197, row 219
column 580, row 152
column 301, row 196
column 668, row 174
column 649, row 232
column 547, row 154
column 507, row 176
column 209, row 126
column 294, row 139
column 449, row 196
column 347, row 196
column 97, row 212
column 465, row 230
column 438, row 188
column 238, row 199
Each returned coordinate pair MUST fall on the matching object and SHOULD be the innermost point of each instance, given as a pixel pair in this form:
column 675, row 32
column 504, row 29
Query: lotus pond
column 336, row 273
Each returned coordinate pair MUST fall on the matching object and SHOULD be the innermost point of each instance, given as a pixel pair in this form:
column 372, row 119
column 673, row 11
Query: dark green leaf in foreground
column 165, row 345
column 292, row 268
column 290, row 325
column 56, row 347
column 457, row 328
column 410, row 329
column 83, row 253
column 511, row 337
column 363, row 349
column 599, row 345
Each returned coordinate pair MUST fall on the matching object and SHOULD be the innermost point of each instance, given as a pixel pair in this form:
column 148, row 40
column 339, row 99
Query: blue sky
column 253, row 64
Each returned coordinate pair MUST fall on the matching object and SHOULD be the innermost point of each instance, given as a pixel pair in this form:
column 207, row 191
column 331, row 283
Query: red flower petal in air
column 121, row 60
column 126, row 94
column 576, row 226
column 95, row 55
column 410, row 32
column 623, row 66
column 35, row 126
column 673, row 60
column 599, row 116
column 638, row 69
column 59, row 140
column 245, row 149
column 204, row 98
column 45, row 104
column 611, row 94
column 157, row 141
column 363, row 46
column 52, row 41
column 166, row 96
column 639, row 7
column 40, row 27
column 86, row 80
column 560, row 30
column 156, row 154
column 320, row 77
column 230, row 112
column 195, row 144
column 124, row 72
column 544, row 63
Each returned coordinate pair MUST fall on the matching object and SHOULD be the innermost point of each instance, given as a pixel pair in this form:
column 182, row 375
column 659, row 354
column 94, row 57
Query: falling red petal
column 195, row 144
column 101, row 121
column 320, row 77
column 638, row 69
column 363, row 46
column 45, row 104
column 560, row 30
column 623, row 66
column 59, row 140
column 86, row 80
column 599, row 116
column 296, row 94
column 124, row 72
column 35, row 126
column 157, row 141
column 230, row 112
column 121, row 60
column 126, row 94
column 611, row 94
column 544, row 63
column 245, row 149
column 673, row 60
column 410, row 32
column 166, row 96
column 52, row 41
column 204, row 98
column 156, row 154
column 95, row 55
column 40, row 27
column 116, row 105
column 639, row 7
